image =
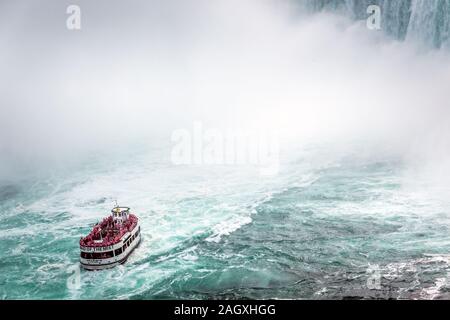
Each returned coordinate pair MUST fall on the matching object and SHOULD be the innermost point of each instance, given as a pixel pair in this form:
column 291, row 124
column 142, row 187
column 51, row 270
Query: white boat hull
column 126, row 246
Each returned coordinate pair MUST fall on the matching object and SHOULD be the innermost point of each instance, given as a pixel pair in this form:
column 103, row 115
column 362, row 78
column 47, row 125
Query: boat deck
column 108, row 233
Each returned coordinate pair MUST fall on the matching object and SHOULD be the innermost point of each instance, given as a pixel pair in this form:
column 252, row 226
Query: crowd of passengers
column 109, row 232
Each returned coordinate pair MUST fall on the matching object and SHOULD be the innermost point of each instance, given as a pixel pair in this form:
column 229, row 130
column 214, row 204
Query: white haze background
column 138, row 70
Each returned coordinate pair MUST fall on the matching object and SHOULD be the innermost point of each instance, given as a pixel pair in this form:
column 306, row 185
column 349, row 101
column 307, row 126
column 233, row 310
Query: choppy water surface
column 319, row 229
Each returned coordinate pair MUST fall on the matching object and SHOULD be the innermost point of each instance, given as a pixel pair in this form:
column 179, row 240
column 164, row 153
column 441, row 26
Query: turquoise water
column 311, row 232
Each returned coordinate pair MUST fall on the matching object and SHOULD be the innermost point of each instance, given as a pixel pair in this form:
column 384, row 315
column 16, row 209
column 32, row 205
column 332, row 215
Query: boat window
column 118, row 251
column 102, row 255
column 97, row 255
column 86, row 255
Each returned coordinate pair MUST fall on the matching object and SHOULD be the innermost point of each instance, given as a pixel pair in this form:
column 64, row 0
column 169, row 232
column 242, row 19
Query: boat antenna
column 116, row 203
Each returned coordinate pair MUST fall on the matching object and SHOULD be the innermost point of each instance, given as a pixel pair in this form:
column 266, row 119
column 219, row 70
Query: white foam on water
column 227, row 227
column 436, row 290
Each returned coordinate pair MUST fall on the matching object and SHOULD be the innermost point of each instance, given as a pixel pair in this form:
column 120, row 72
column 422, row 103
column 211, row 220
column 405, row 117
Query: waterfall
column 427, row 21
column 430, row 22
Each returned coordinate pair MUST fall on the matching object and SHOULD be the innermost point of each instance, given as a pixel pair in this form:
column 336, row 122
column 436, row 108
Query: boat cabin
column 120, row 214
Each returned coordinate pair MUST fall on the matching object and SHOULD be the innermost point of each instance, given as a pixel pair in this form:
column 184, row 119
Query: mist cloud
column 141, row 69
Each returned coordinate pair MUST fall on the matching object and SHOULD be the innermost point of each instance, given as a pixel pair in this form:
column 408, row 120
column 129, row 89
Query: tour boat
column 111, row 241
